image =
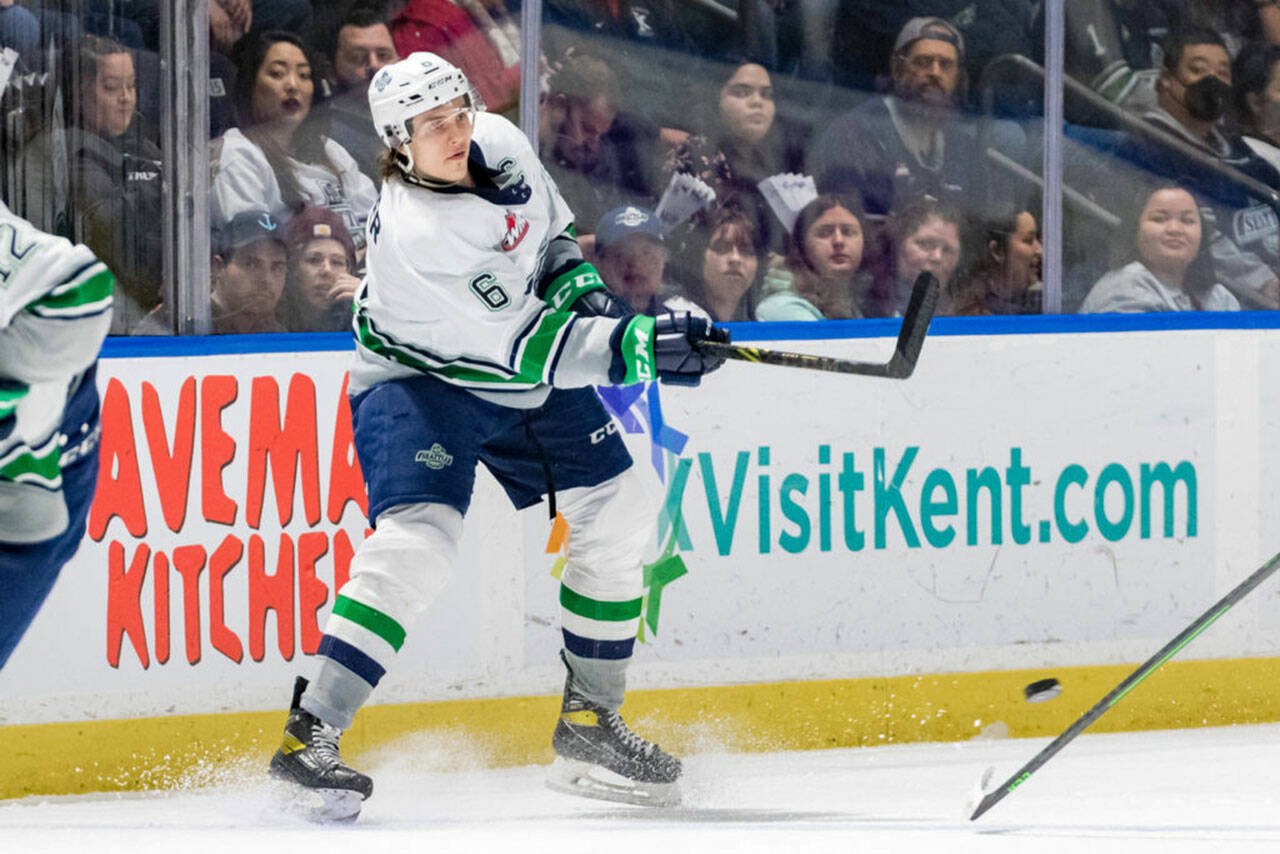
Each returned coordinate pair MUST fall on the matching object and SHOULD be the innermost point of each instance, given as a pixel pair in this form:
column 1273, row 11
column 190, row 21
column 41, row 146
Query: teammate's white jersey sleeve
column 55, row 309
column 454, row 275
column 55, row 303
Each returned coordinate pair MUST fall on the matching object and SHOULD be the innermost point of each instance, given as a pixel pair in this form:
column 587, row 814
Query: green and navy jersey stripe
column 86, row 292
column 534, row 354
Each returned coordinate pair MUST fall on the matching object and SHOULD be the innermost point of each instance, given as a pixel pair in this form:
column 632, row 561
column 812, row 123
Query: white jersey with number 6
column 454, row 276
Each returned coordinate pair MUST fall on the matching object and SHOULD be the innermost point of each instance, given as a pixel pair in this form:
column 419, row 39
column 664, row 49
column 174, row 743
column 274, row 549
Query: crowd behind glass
column 752, row 160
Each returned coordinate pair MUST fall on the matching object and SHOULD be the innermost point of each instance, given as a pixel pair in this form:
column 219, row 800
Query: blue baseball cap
column 625, row 221
column 247, row 227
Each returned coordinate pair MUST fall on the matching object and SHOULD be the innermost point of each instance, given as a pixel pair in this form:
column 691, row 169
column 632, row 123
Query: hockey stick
column 1117, row 694
column 915, row 323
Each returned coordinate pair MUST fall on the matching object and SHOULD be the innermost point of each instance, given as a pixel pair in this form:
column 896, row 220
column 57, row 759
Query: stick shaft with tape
column 915, row 324
column 1118, row 693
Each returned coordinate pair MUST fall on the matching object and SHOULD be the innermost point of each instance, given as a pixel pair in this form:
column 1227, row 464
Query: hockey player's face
column 283, row 89
column 928, row 72
column 834, row 243
column 113, row 96
column 934, row 246
column 441, row 141
column 746, row 104
column 1169, row 232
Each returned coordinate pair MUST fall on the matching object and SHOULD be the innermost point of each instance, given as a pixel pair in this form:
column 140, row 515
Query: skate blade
column 322, row 806
column 574, row 777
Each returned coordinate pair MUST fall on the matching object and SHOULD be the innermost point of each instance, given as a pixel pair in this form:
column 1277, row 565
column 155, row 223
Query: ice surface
column 1174, row 791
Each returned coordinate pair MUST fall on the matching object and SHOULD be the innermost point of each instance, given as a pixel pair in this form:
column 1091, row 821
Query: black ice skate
column 323, row 787
column 598, row 756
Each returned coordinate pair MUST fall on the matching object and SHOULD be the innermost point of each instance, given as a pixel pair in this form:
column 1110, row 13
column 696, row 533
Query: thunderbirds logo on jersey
column 517, row 228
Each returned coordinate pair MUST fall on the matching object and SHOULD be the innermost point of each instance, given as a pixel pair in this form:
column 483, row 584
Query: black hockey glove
column 676, row 355
column 601, row 303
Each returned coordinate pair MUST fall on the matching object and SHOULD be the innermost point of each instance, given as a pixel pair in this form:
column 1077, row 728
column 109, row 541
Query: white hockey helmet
column 410, row 87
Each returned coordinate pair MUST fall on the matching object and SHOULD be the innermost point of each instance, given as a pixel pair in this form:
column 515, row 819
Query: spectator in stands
column 923, row 234
column 275, row 160
column 229, row 21
column 1116, row 46
column 1006, row 278
column 729, row 261
column 250, row 264
column 446, row 29
column 363, row 46
column 597, row 165
column 1161, row 264
column 113, row 201
column 865, row 30
column 19, row 29
column 740, row 143
column 321, row 284
column 1256, row 76
column 911, row 141
column 1192, row 93
column 824, row 259
column 632, row 260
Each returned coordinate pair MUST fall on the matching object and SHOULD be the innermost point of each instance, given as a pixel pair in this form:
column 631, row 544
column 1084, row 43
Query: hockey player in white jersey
column 480, row 330
column 55, row 309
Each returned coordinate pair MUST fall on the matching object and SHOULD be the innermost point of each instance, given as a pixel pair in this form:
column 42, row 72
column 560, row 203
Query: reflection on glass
column 696, row 110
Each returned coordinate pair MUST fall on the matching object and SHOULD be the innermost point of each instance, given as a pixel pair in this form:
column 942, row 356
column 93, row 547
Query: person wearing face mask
column 1193, row 93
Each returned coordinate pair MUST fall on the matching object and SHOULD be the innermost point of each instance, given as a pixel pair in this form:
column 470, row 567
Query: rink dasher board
column 838, row 539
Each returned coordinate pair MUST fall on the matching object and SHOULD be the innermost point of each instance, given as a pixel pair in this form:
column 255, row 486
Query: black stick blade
column 915, row 324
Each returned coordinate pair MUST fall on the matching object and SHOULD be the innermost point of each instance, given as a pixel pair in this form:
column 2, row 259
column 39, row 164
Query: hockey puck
column 1042, row 690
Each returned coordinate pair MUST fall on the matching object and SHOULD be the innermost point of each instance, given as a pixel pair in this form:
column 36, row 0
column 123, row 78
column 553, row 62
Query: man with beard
column 363, row 47
column 596, row 156
column 1192, row 95
column 910, row 142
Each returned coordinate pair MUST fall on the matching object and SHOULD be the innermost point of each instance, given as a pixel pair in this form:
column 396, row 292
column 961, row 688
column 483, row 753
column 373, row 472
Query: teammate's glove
column 601, row 303
column 676, row 355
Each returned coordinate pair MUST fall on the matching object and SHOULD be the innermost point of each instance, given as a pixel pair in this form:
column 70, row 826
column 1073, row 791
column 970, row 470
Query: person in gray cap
column 632, row 258
column 910, row 142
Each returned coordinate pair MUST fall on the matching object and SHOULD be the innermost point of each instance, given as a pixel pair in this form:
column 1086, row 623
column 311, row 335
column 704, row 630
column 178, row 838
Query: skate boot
column 598, row 756
column 322, row 787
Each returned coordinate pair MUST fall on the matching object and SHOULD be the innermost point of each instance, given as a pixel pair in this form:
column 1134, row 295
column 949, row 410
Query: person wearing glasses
column 480, row 330
column 909, row 142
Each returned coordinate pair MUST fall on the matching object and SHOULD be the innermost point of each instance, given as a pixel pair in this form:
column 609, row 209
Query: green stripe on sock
column 592, row 609
column 372, row 619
